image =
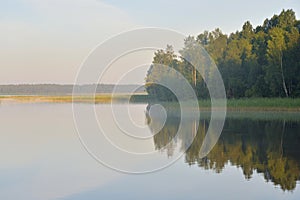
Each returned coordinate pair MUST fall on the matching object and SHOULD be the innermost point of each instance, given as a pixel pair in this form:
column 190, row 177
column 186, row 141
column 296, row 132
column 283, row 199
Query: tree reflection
column 266, row 146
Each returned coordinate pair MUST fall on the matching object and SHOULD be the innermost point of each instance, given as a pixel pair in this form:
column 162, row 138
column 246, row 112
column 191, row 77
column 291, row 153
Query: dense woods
column 254, row 62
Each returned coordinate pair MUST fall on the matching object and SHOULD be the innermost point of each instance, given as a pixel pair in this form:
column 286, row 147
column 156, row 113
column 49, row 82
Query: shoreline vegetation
column 243, row 104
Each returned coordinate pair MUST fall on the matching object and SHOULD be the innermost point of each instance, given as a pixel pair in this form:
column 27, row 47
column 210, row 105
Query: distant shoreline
column 67, row 89
column 251, row 104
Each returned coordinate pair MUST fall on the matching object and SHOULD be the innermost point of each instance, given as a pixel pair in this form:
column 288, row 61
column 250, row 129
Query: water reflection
column 268, row 146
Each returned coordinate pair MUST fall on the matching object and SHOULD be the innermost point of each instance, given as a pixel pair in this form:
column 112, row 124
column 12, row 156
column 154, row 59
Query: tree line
column 57, row 89
column 254, row 62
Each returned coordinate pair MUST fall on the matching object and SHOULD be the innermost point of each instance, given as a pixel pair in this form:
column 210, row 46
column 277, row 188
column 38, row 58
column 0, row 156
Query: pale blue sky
column 45, row 41
column 195, row 16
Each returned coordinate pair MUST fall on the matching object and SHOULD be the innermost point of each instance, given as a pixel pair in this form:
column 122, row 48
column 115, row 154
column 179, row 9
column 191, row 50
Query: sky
column 46, row 41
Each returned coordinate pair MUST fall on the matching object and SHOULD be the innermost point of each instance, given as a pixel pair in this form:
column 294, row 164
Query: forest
column 262, row 61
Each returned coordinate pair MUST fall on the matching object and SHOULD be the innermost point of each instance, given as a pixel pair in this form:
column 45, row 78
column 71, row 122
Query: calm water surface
column 43, row 158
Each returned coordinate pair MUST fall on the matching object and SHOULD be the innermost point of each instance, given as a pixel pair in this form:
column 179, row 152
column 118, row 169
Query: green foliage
column 254, row 62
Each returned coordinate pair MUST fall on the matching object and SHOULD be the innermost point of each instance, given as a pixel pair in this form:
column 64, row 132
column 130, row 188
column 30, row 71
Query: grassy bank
column 262, row 103
column 250, row 104
column 102, row 98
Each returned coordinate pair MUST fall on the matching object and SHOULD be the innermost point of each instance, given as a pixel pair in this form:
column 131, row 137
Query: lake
column 46, row 155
